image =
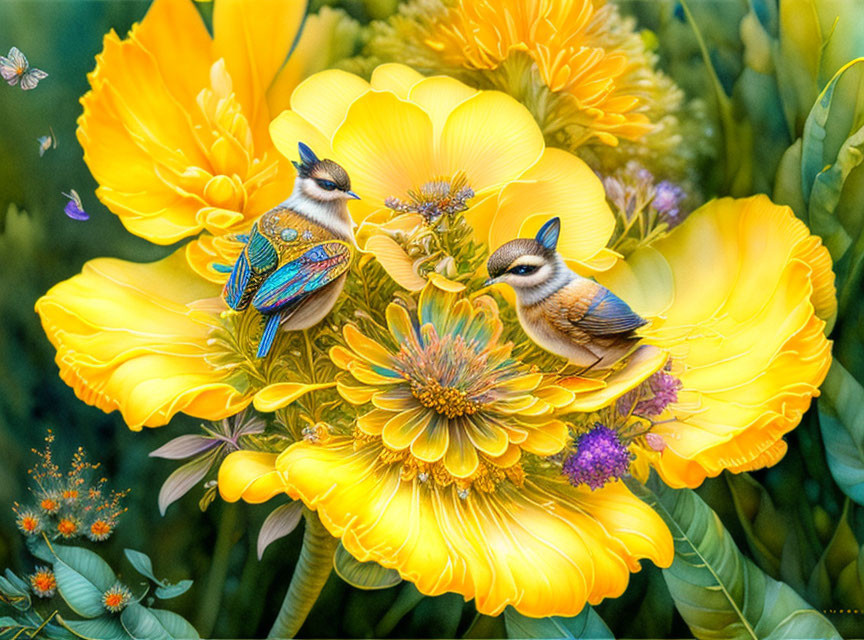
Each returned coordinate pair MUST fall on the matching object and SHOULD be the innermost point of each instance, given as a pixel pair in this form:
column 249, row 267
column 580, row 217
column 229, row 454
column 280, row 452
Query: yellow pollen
column 49, row 505
column 448, row 401
column 29, row 523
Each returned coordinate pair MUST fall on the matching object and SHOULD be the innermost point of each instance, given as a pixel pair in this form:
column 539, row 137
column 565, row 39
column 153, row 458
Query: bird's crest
column 308, row 159
column 548, row 234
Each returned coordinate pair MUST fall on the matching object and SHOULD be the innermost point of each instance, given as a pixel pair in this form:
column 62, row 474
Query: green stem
column 312, row 570
column 407, row 599
column 212, row 596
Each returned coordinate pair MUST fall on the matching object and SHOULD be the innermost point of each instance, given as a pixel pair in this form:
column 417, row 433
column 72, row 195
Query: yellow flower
column 175, row 131
column 739, row 295
column 582, row 70
column 447, row 148
column 447, row 476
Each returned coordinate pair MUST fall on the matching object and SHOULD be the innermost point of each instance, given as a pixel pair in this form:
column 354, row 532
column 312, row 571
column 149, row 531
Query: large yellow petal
column 254, row 38
column 386, row 160
column 438, row 96
column 490, row 137
column 251, row 476
column 746, row 291
column 395, row 78
column 546, row 548
column 327, row 37
column 136, row 338
column 158, row 33
column 323, row 99
column 559, row 185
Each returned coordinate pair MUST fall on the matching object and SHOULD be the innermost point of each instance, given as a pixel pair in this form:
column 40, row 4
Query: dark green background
column 234, row 595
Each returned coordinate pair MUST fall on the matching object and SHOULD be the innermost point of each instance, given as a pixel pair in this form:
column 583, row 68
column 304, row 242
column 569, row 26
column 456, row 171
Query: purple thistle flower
column 665, row 389
column 599, row 457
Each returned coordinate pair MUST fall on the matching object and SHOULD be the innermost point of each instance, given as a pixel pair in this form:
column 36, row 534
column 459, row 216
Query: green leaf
column 82, row 578
column 104, row 628
column 38, row 547
column 825, row 196
column 841, row 419
column 586, row 625
column 815, row 132
column 146, row 624
column 363, row 575
column 142, row 564
column 176, row 625
column 173, row 590
column 841, row 552
column 763, row 526
column 718, row 591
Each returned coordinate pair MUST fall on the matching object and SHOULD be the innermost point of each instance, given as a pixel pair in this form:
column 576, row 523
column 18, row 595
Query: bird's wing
column 316, row 268
column 606, row 314
column 258, row 258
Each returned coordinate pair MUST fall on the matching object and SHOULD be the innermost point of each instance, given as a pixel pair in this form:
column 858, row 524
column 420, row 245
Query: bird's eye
column 326, row 184
column 524, row 269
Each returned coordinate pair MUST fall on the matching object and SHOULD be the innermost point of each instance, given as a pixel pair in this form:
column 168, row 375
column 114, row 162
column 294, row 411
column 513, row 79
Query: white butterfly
column 15, row 67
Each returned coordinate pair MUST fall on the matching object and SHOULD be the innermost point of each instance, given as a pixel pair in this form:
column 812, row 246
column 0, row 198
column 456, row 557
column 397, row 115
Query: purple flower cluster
column 665, row 389
column 599, row 457
column 667, row 201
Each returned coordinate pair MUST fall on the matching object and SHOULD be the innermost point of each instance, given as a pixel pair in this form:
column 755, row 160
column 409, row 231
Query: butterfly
column 75, row 208
column 15, row 67
column 47, row 142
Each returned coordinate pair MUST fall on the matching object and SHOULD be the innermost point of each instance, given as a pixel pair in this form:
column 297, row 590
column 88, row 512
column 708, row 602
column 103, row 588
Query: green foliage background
column 793, row 521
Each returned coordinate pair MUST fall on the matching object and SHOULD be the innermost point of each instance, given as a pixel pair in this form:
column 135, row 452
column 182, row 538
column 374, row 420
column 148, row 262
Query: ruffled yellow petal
column 136, row 338
column 251, row 476
column 254, row 38
column 545, row 548
column 289, row 128
column 559, row 185
column 281, row 394
column 395, row 78
column 491, row 138
column 745, row 288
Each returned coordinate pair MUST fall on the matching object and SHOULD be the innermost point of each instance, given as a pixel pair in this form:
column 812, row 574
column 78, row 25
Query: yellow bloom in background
column 582, row 70
column 739, row 295
column 445, row 476
column 174, row 130
column 447, row 148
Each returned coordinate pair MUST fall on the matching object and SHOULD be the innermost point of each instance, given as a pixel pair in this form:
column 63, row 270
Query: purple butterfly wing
column 74, row 211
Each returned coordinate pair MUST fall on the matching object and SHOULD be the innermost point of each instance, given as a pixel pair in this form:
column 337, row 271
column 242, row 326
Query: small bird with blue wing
column 571, row 316
column 295, row 258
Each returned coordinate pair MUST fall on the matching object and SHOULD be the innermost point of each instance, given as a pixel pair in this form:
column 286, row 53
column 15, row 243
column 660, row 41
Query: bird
column 561, row 311
column 295, row 258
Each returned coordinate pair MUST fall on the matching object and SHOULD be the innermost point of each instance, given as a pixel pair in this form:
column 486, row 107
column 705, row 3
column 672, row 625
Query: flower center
column 442, row 196
column 448, row 401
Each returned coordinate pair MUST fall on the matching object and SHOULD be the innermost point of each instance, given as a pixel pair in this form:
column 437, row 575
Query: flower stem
column 312, row 570
column 213, row 588
column 407, row 599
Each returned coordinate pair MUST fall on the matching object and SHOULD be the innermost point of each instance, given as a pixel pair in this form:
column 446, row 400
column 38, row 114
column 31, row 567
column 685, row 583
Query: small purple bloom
column 74, row 208
column 665, row 389
column 599, row 457
column 667, row 200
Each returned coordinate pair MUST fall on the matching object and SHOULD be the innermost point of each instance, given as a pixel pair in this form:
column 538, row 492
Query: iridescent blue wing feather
column 608, row 315
column 257, row 259
column 316, row 268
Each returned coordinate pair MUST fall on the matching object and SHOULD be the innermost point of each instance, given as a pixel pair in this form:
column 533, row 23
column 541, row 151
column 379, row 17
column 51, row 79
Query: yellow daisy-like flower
column 175, row 131
column 446, row 148
column 583, row 70
column 445, row 477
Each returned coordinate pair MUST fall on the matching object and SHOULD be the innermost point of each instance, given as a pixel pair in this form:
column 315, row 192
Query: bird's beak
column 351, row 194
column 489, row 282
